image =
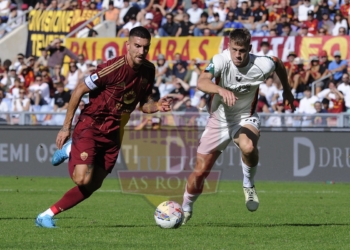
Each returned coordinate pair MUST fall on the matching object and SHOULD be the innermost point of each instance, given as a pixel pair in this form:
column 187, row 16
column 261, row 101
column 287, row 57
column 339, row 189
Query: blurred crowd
column 202, row 17
column 37, row 84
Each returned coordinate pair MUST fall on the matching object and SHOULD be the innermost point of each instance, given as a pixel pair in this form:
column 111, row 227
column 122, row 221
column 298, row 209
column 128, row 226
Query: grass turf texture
column 290, row 216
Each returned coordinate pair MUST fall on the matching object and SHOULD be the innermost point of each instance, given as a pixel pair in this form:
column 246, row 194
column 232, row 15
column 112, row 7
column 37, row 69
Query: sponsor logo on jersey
column 84, row 156
column 244, row 88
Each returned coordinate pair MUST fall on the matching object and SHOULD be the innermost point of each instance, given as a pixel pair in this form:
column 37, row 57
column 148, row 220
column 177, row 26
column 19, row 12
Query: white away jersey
column 243, row 82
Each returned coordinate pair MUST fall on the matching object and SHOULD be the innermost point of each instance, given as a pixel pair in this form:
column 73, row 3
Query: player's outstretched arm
column 77, row 93
column 206, row 85
column 151, row 106
column 282, row 75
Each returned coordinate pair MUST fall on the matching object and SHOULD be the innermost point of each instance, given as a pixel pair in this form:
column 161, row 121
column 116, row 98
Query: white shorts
column 217, row 135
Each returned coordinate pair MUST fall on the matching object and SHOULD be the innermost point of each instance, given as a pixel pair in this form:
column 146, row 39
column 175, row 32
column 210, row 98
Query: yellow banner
column 203, row 48
column 45, row 26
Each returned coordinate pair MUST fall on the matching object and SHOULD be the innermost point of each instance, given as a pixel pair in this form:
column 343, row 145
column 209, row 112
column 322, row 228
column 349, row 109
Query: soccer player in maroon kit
column 114, row 89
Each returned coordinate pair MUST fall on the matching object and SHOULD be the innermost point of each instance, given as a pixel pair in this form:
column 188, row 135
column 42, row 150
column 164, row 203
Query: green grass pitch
column 292, row 215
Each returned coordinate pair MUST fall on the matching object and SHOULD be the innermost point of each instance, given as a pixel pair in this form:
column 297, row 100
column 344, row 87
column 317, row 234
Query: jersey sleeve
column 267, row 65
column 102, row 76
column 215, row 66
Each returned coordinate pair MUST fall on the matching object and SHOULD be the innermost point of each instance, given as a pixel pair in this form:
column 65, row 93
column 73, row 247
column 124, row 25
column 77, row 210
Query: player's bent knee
column 247, row 148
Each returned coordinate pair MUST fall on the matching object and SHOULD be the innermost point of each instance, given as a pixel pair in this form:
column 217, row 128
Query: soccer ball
column 169, row 214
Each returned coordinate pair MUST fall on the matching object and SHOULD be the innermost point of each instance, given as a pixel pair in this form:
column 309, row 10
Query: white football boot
column 251, row 198
column 187, row 217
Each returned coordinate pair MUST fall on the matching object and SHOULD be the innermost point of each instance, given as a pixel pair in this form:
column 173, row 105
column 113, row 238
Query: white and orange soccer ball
column 169, row 214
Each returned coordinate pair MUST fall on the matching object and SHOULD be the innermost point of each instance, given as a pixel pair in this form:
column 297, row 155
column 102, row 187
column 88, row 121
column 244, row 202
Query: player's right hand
column 62, row 137
column 228, row 96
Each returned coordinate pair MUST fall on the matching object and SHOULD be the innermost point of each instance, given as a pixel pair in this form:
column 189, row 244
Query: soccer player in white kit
column 232, row 113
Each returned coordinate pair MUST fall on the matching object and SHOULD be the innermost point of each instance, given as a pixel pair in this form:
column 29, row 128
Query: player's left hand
column 288, row 96
column 164, row 104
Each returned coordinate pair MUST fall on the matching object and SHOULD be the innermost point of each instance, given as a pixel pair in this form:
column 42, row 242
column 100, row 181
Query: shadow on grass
column 29, row 218
column 269, row 225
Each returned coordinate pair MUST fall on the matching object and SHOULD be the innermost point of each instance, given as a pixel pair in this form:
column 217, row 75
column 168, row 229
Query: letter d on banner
column 171, row 154
column 305, row 170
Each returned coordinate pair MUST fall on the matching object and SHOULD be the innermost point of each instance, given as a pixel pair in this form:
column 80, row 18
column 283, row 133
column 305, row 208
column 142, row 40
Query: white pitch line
column 220, row 191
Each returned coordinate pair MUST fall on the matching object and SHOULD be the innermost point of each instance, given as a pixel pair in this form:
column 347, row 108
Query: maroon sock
column 70, row 199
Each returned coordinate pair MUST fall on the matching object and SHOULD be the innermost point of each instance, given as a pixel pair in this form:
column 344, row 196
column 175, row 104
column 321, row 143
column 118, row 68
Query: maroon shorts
column 92, row 147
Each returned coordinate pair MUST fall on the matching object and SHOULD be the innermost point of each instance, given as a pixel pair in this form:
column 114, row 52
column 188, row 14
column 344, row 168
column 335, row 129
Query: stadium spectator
column 14, row 91
column 221, row 10
column 323, row 7
column 324, row 59
column 339, row 21
column 45, row 74
column 16, row 18
column 193, row 73
column 311, row 22
column 8, row 81
column 258, row 15
column 149, row 24
column 2, row 70
column 244, row 14
column 5, row 8
column 326, row 23
column 276, row 120
column 338, row 67
column 342, row 32
column 73, row 76
column 162, row 70
column 57, row 54
column 180, row 90
column 157, row 11
column 112, row 13
column 169, row 28
column 132, row 23
column 195, row 12
column 320, row 121
column 267, row 91
column 201, row 25
column 20, row 103
column 42, row 61
column 265, row 49
column 287, row 30
column 39, row 92
column 186, row 26
column 81, row 64
column 290, row 59
column 4, row 118
column 57, row 75
column 167, row 87
column 216, row 26
column 285, row 9
column 304, row 30
column 306, row 106
column 344, row 88
column 20, row 62
column 264, row 31
column 345, row 8
column 316, row 72
column 303, row 10
column 231, row 23
column 28, row 75
column 297, row 78
column 132, row 11
column 337, row 99
column 178, row 59
column 61, row 100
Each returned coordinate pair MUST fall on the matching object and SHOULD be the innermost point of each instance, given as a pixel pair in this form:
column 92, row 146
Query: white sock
column 48, row 212
column 68, row 149
column 248, row 175
column 188, row 201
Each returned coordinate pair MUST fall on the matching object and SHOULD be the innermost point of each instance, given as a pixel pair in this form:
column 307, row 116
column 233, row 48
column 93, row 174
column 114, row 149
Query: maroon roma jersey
column 116, row 88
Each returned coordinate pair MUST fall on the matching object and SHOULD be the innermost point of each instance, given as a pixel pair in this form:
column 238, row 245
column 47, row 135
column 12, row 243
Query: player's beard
column 138, row 60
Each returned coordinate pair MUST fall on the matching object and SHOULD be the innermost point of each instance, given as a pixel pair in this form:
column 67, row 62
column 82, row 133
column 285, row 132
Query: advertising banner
column 202, row 48
column 300, row 156
column 44, row 26
column 280, row 45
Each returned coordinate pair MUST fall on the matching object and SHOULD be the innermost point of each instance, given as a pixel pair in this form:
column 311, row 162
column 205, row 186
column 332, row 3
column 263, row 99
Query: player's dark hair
column 241, row 37
column 141, row 32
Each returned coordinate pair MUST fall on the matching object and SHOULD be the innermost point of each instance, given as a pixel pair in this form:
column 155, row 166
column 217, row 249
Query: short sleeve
column 215, row 66
column 267, row 65
column 103, row 75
